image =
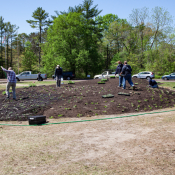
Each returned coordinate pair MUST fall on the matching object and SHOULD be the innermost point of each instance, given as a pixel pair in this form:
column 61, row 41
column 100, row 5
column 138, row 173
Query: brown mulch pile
column 84, row 99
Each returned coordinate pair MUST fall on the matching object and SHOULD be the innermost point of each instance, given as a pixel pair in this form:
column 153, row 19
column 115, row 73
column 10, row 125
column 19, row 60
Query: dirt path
column 135, row 145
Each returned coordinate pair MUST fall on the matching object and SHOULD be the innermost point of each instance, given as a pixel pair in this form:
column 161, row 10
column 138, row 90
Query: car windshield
column 104, row 73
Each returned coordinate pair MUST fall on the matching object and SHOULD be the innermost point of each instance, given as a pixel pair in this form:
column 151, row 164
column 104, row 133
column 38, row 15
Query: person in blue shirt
column 118, row 71
column 126, row 73
column 11, row 82
column 58, row 75
column 153, row 83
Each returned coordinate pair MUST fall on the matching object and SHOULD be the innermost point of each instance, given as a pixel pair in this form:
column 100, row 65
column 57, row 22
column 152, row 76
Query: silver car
column 144, row 74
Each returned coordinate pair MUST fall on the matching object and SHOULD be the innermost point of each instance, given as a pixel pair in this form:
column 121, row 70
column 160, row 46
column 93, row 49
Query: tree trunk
column 7, row 54
column 11, row 53
column 39, row 47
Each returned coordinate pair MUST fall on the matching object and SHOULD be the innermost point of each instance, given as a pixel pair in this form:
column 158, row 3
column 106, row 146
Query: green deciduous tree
column 66, row 45
column 29, row 60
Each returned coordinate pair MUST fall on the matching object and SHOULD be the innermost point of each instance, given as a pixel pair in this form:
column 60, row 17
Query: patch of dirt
column 84, row 99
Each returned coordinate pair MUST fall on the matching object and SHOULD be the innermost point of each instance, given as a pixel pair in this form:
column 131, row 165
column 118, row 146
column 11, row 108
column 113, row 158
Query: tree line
column 84, row 42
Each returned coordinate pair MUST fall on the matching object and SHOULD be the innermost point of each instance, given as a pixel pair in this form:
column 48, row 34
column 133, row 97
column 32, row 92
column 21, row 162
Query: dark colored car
column 169, row 77
column 67, row 75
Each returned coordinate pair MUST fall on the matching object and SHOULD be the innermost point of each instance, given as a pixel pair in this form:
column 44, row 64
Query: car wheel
column 134, row 77
column 17, row 79
column 147, row 78
column 165, row 78
column 68, row 78
column 96, row 78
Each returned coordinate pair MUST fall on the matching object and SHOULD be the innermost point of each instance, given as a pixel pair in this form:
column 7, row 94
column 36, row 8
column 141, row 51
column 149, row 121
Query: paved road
column 50, row 79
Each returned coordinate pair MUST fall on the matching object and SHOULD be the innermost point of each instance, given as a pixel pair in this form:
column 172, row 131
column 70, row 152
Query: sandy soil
column 135, row 145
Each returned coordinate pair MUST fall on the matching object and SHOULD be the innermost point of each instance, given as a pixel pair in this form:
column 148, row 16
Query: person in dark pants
column 40, row 77
column 11, row 82
column 126, row 73
column 118, row 71
column 153, row 83
column 58, row 75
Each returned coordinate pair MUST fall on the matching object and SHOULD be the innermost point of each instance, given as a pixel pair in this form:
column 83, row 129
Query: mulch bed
column 84, row 99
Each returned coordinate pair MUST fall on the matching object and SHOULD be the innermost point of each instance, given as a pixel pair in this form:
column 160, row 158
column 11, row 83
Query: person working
column 153, row 83
column 126, row 73
column 40, row 77
column 118, row 71
column 11, row 81
column 58, row 75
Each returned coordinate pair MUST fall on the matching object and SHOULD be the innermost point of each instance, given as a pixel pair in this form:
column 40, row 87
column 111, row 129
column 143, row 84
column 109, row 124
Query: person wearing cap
column 118, row 71
column 152, row 83
column 11, row 82
column 58, row 75
column 126, row 73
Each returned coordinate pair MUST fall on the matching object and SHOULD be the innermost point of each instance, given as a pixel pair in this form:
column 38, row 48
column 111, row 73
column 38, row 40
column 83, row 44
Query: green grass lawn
column 168, row 84
column 22, row 84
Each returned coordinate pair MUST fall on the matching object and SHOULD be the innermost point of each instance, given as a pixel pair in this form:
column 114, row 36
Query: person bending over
column 153, row 83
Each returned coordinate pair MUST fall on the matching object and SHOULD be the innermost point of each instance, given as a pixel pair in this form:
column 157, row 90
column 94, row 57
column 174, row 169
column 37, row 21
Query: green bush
column 158, row 77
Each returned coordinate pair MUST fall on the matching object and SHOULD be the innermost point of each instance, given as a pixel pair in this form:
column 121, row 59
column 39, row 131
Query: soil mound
column 84, row 99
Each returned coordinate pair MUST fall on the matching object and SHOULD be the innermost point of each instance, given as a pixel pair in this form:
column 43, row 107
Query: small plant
column 149, row 107
column 74, row 106
column 104, row 111
column 112, row 100
column 60, row 115
column 32, row 85
column 96, row 114
column 92, row 103
column 95, row 108
column 112, row 76
column 51, row 117
column 104, row 80
column 86, row 103
column 67, row 109
column 145, row 99
column 139, row 101
column 79, row 115
column 101, row 82
column 96, row 103
column 145, row 108
column 132, row 104
column 71, row 82
column 126, row 99
column 105, row 106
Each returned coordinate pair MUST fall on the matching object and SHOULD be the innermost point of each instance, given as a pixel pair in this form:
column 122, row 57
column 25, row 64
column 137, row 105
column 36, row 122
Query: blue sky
column 18, row 11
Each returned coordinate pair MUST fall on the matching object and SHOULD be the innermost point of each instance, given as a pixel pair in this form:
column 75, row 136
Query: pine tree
column 40, row 20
